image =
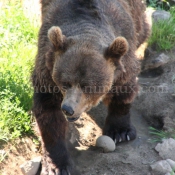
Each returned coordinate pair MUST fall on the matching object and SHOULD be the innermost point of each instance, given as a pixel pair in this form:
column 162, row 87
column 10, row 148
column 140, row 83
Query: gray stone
column 161, row 167
column 160, row 15
column 168, row 174
column 172, row 173
column 166, row 149
column 171, row 163
column 161, row 60
column 31, row 167
column 106, row 143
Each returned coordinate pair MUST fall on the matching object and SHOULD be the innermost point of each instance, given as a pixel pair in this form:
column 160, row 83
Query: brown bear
column 86, row 54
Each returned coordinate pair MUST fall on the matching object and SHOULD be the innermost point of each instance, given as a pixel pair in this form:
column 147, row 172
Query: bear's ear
column 57, row 38
column 116, row 50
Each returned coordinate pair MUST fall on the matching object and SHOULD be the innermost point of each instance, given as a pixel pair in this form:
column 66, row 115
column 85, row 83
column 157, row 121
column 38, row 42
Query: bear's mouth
column 72, row 119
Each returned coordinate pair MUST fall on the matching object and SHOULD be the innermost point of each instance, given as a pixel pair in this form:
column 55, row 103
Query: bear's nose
column 67, row 110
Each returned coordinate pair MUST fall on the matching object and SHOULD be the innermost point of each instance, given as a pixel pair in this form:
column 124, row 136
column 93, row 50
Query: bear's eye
column 66, row 85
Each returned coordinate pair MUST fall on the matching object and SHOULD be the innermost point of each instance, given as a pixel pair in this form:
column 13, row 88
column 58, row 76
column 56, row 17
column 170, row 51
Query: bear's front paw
column 48, row 168
column 51, row 170
column 120, row 135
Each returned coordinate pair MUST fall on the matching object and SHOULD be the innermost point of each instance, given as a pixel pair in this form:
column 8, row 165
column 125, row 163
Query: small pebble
column 106, row 143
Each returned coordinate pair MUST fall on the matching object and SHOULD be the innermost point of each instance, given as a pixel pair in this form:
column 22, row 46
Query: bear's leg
column 118, row 125
column 52, row 126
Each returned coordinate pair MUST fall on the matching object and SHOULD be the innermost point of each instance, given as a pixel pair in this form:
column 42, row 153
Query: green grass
column 163, row 33
column 159, row 4
column 159, row 135
column 172, row 173
column 17, row 51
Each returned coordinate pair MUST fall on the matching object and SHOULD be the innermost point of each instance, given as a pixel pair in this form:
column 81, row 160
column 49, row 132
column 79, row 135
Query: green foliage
column 17, row 50
column 172, row 172
column 159, row 135
column 153, row 4
column 160, row 4
column 163, row 33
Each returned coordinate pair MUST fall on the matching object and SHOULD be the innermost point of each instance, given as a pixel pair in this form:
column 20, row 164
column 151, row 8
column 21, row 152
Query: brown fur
column 56, row 37
column 116, row 50
column 119, row 47
column 86, row 54
column 44, row 7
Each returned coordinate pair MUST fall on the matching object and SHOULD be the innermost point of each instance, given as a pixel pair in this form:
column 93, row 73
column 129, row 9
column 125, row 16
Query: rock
column 172, row 173
column 106, row 143
column 161, row 60
column 31, row 167
column 168, row 174
column 161, row 167
column 166, row 149
column 155, row 101
column 171, row 163
column 160, row 15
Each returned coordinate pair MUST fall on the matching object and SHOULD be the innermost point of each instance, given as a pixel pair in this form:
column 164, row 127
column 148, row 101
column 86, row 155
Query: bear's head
column 83, row 73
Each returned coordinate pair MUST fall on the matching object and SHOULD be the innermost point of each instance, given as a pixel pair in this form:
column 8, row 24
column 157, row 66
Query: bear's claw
column 64, row 172
column 122, row 135
column 57, row 172
column 128, row 138
column 50, row 170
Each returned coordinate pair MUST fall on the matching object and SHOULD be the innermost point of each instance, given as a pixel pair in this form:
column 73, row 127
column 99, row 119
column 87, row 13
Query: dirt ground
column 15, row 154
column 132, row 158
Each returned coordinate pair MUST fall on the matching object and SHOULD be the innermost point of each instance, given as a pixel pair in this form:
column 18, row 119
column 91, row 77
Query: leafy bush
column 161, row 4
column 17, row 50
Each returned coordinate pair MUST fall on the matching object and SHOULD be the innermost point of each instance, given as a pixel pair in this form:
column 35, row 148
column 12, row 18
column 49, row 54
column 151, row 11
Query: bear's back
column 73, row 16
